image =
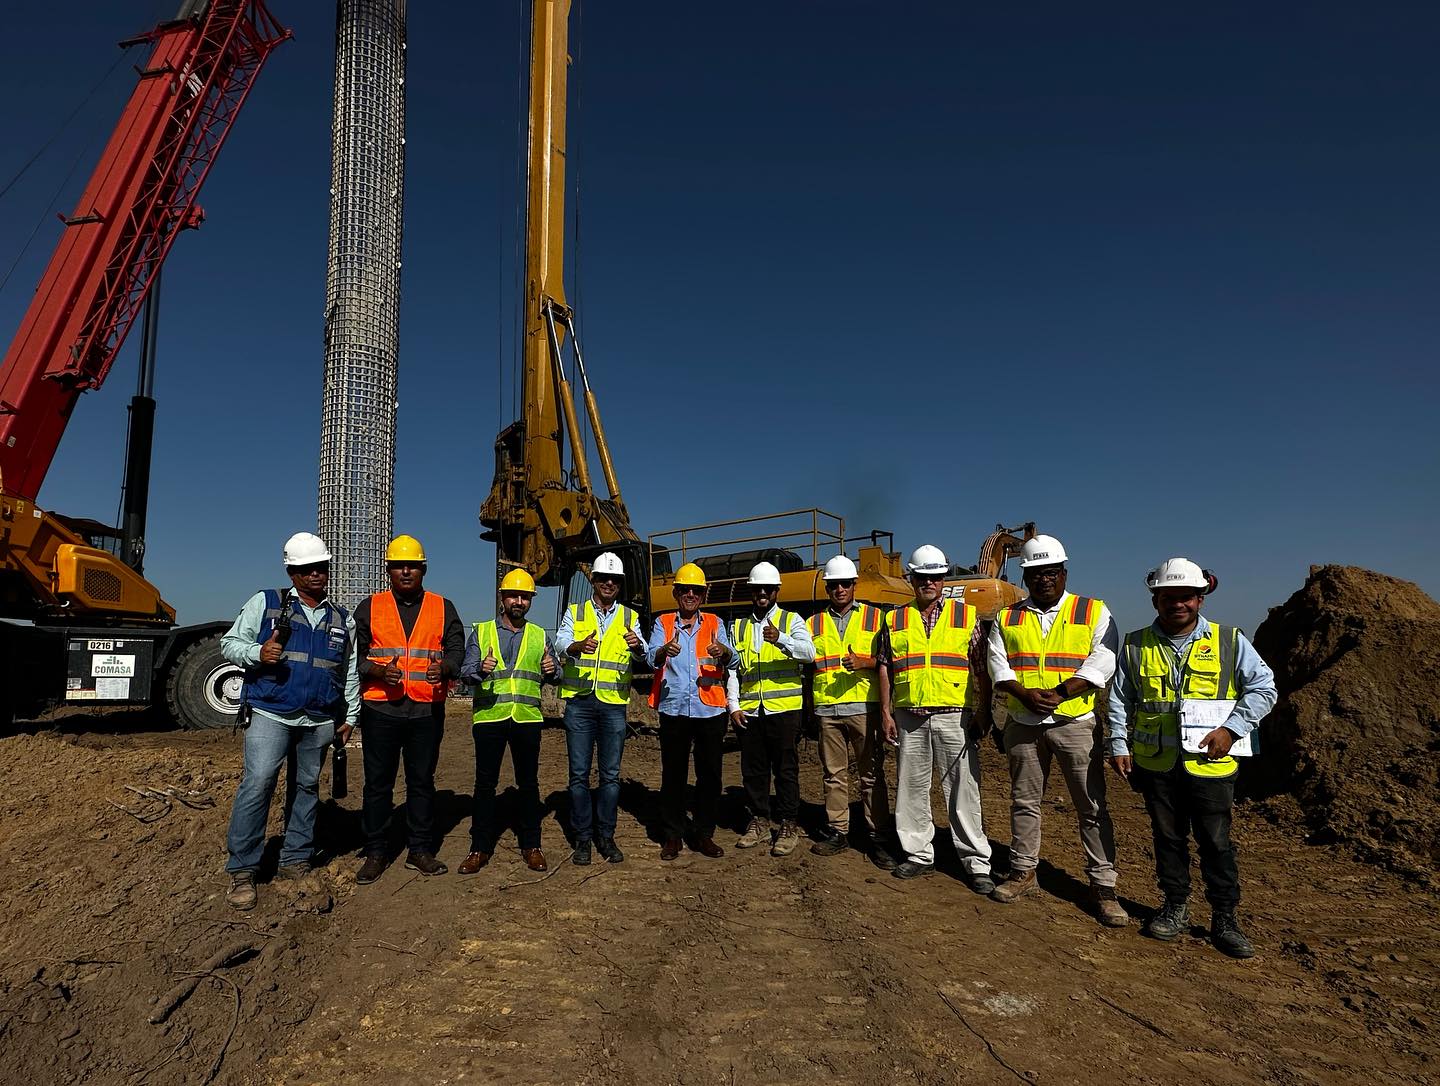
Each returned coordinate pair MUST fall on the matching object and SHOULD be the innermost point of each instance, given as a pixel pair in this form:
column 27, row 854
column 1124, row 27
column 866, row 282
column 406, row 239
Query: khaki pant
column 1077, row 747
column 939, row 741
column 839, row 737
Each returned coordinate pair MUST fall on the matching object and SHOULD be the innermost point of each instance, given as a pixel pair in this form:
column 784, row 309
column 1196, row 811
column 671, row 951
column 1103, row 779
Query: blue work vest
column 309, row 676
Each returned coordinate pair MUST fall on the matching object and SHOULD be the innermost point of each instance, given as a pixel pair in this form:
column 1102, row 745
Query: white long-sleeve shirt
column 1098, row 667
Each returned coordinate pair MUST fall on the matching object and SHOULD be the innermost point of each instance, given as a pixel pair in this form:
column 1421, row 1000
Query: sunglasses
column 928, row 578
column 840, row 584
column 688, row 590
column 1046, row 573
column 604, row 578
column 306, row 571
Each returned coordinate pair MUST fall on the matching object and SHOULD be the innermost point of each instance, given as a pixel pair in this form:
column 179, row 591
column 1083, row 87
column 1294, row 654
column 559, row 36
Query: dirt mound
column 1356, row 735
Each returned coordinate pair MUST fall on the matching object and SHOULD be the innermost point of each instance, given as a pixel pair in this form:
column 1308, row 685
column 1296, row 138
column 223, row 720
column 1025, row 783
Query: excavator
column 545, row 517
column 92, row 628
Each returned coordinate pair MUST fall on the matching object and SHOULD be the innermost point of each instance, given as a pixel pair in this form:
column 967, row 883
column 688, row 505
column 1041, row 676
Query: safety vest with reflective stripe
column 833, row 684
column 932, row 671
column 388, row 641
column 1043, row 661
column 710, row 675
column 1206, row 674
column 606, row 672
column 767, row 676
column 512, row 692
column 308, row 676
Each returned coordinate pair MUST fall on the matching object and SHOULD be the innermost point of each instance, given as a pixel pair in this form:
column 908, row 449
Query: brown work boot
column 241, row 894
column 425, row 863
column 706, row 846
column 370, row 870
column 787, row 839
column 534, row 859
column 1019, row 882
column 671, row 848
column 473, row 863
column 1108, row 907
column 755, row 833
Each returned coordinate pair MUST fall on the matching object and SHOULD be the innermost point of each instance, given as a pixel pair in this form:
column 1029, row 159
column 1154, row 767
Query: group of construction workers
column 1184, row 696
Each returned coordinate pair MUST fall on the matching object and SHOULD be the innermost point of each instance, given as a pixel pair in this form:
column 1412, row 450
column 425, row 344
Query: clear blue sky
column 1162, row 279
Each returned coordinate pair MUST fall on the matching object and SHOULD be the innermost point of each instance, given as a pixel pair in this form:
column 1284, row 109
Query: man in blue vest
column 301, row 689
column 1186, row 691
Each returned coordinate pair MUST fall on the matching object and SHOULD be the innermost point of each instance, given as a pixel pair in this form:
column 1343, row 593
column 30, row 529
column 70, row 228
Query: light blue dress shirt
column 679, row 679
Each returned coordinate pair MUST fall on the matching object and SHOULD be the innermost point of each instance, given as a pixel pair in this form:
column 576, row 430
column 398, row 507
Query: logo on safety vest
column 1203, row 649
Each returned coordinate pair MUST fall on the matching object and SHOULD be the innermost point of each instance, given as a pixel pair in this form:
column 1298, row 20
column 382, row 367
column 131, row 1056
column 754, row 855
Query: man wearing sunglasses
column 600, row 640
column 1051, row 653
column 302, row 690
column 936, row 714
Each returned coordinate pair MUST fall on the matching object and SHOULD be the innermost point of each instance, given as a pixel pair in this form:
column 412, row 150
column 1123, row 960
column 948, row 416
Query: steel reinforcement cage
column 362, row 294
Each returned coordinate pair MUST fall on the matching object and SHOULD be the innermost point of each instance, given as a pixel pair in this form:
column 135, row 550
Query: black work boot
column 1172, row 920
column 830, row 843
column 1226, row 936
column 581, row 856
column 607, row 847
column 370, row 870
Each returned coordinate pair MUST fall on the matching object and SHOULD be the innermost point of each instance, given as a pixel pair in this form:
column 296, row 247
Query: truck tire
column 202, row 689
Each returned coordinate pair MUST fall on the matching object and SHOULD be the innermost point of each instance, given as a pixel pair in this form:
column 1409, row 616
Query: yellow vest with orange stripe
column 412, row 654
column 932, row 671
column 833, row 684
column 1043, row 661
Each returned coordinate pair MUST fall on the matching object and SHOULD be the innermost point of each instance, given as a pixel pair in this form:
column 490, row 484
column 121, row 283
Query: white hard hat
column 763, row 573
column 1043, row 550
column 928, row 559
column 1178, row 573
column 305, row 549
column 840, row 568
column 608, row 563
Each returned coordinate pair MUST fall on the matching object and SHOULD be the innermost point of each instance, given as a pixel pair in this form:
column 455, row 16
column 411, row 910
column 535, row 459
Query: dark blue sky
column 1160, row 278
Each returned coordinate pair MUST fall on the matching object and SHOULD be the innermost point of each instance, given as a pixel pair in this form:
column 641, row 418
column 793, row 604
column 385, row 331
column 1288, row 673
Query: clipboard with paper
column 1199, row 718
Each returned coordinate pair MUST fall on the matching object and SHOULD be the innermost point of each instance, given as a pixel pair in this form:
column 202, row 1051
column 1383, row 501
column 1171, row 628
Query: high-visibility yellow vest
column 1043, row 661
column 1206, row 674
column 605, row 673
column 768, row 675
column 512, row 692
column 932, row 671
column 833, row 684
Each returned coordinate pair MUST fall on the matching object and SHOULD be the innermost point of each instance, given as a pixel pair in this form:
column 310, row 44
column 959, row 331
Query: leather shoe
column 706, row 846
column 670, row 849
column 370, row 870
column 473, row 863
column 425, row 863
column 534, row 859
column 607, row 847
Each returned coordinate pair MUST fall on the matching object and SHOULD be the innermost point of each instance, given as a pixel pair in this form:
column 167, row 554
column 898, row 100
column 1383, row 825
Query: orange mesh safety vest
column 387, row 641
column 712, row 675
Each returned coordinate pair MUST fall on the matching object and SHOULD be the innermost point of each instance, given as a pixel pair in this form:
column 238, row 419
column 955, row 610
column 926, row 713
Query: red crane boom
column 201, row 67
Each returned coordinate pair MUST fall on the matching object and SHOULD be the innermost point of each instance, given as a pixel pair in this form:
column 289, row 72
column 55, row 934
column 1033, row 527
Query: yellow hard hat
column 517, row 580
column 404, row 548
column 690, row 574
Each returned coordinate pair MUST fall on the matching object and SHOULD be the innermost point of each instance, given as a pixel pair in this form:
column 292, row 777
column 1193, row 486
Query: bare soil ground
column 747, row 969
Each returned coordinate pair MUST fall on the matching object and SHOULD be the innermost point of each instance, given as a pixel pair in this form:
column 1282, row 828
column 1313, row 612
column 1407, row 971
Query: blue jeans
column 593, row 727
column 268, row 744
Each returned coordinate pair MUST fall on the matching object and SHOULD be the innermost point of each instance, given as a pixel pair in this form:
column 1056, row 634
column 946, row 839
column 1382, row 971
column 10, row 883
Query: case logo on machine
column 112, row 665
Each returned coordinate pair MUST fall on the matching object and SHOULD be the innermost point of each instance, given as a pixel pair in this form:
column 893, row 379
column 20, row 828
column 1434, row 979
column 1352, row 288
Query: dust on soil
column 1356, row 735
column 747, row 969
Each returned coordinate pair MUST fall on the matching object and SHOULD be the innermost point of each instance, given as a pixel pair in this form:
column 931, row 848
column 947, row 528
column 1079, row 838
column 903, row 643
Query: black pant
column 490, row 743
column 767, row 745
column 679, row 735
column 385, row 739
column 1180, row 803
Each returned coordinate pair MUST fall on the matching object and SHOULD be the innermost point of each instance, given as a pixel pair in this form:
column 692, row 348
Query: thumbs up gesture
column 671, row 648
column 271, row 651
column 849, row 660
column 587, row 647
column 435, row 673
column 770, row 633
column 489, row 664
column 548, row 666
column 393, row 675
column 633, row 640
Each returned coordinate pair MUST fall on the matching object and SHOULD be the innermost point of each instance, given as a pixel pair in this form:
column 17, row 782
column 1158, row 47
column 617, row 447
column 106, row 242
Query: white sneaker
column 755, row 833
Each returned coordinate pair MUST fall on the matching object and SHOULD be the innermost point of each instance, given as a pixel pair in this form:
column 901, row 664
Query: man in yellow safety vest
column 1187, row 690
column 505, row 661
column 847, row 705
column 937, row 713
column 600, row 640
column 1050, row 653
column 764, row 696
